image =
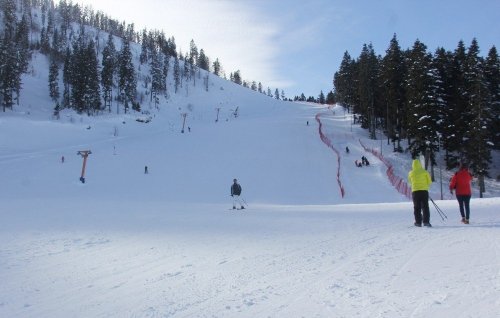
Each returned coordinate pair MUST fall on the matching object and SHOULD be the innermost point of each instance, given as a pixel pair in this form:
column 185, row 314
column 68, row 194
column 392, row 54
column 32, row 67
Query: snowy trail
column 357, row 183
column 126, row 244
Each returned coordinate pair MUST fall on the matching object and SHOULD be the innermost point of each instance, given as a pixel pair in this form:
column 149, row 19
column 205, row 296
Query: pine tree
column 216, row 67
column 392, row 76
column 67, row 79
column 54, row 80
column 277, row 94
column 23, row 54
column 321, row 98
column 367, row 79
column 127, row 82
column 77, row 69
column 92, row 91
column 166, row 67
column 177, row 74
column 477, row 144
column 108, row 71
column 237, row 79
column 143, row 58
column 8, row 73
column 157, row 79
column 330, row 98
column 344, row 82
column 203, row 61
column 424, row 100
column 8, row 54
column 492, row 79
column 459, row 102
column 442, row 62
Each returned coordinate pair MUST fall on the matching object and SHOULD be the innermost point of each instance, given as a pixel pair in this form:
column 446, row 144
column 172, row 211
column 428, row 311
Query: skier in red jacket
column 461, row 184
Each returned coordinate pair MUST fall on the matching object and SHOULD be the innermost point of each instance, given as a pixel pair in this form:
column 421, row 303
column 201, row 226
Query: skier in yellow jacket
column 420, row 182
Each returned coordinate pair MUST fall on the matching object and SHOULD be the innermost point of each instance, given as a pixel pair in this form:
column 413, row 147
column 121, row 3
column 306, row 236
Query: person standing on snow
column 420, row 182
column 235, row 193
column 461, row 184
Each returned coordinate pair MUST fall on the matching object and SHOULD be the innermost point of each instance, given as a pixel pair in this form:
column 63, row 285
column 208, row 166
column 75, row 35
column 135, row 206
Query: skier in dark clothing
column 461, row 184
column 235, row 193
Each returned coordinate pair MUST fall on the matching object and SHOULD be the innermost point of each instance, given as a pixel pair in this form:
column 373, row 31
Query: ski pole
column 440, row 212
column 437, row 209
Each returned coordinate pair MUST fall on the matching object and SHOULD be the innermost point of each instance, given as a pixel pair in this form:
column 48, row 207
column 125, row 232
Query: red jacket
column 461, row 182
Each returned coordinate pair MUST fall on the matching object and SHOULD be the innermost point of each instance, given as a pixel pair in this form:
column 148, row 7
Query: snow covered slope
column 166, row 244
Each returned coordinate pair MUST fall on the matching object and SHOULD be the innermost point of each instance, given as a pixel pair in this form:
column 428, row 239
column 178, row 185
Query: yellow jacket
column 418, row 177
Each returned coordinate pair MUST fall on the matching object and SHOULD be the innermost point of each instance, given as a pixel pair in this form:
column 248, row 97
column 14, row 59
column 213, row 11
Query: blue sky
column 297, row 45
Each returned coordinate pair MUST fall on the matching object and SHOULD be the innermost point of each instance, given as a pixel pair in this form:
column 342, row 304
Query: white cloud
column 233, row 31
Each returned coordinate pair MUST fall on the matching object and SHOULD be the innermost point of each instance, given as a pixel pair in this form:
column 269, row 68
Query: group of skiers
column 363, row 162
column 420, row 181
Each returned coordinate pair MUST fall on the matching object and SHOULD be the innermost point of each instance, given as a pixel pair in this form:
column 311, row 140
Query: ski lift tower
column 84, row 154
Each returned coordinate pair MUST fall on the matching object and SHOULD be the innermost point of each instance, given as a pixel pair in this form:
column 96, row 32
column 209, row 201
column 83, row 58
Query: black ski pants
column 464, row 201
column 421, row 206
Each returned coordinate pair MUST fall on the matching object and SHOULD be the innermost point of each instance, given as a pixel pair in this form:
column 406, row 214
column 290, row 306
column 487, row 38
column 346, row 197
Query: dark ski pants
column 421, row 204
column 464, row 202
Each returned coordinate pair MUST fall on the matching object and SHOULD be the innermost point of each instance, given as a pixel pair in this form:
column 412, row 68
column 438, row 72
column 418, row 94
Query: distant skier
column 420, row 182
column 461, row 184
column 62, row 159
column 146, row 170
column 347, row 149
column 235, row 193
column 365, row 161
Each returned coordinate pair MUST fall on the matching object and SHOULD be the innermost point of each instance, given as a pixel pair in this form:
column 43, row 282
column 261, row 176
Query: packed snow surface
column 168, row 244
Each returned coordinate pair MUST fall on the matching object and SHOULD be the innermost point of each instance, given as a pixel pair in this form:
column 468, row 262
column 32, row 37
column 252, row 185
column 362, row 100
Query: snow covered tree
column 157, row 78
column 177, row 74
column 442, row 62
column 203, row 62
column 459, row 103
column 127, row 81
column 54, row 80
column 424, row 103
column 492, row 79
column 237, row 78
column 392, row 72
column 166, row 68
column 477, row 142
column 108, row 71
column 67, row 79
column 14, row 53
column 92, row 93
column 216, row 67
column 143, row 58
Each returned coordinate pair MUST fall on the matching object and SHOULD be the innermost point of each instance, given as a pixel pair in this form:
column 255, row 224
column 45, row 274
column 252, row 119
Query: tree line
column 445, row 100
